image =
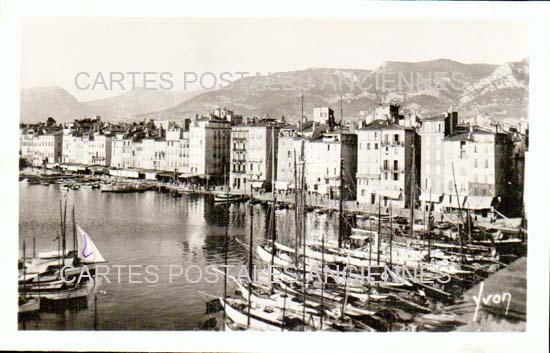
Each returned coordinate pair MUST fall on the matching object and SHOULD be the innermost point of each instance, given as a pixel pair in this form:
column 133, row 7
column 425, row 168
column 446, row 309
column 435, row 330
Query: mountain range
column 426, row 88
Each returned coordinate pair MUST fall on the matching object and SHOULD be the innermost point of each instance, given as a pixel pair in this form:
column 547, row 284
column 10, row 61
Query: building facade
column 331, row 159
column 253, row 148
column 477, row 170
column 432, row 133
column 386, row 164
column 209, row 146
column 88, row 149
column 38, row 148
column 237, row 176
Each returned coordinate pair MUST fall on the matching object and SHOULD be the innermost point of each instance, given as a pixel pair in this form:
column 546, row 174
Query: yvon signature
column 495, row 299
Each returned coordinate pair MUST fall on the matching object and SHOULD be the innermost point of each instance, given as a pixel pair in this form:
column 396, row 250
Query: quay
column 313, row 201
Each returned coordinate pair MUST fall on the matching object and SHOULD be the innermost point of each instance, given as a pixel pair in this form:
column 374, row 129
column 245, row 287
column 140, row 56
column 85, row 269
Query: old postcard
column 314, row 175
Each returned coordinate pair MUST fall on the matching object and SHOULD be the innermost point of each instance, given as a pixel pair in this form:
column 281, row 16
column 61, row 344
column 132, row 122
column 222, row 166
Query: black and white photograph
column 290, row 174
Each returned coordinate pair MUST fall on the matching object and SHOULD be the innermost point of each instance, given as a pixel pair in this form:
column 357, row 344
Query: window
column 376, row 146
column 368, row 146
column 396, row 138
column 395, row 165
column 486, row 163
column 475, row 163
column 439, row 127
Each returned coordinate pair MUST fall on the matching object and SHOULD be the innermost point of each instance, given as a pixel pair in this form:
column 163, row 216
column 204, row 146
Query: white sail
column 87, row 251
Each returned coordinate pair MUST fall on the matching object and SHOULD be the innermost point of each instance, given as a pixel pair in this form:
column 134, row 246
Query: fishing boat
column 90, row 186
column 117, row 188
column 26, row 303
column 29, row 305
column 56, row 275
column 262, row 319
column 225, row 196
column 228, row 197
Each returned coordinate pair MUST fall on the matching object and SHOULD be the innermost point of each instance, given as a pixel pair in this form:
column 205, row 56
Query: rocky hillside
column 425, row 88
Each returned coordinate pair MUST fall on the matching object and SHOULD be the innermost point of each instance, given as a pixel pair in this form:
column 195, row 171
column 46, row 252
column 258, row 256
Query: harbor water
column 149, row 229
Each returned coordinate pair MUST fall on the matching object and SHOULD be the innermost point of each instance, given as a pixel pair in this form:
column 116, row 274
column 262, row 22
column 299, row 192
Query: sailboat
column 56, row 275
column 27, row 304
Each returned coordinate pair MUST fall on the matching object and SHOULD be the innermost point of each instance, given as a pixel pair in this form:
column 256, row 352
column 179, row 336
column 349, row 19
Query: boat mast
column 379, row 235
column 64, row 239
column 61, row 228
column 250, row 264
column 341, row 186
column 459, row 215
column 296, row 218
column 391, row 234
column 429, row 235
column 75, row 246
column 303, row 228
column 24, row 271
column 413, row 187
column 273, row 222
column 225, row 246
column 340, row 204
column 322, row 278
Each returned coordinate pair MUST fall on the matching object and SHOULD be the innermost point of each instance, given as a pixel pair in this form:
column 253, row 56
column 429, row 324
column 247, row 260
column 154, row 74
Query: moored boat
column 29, row 305
column 228, row 197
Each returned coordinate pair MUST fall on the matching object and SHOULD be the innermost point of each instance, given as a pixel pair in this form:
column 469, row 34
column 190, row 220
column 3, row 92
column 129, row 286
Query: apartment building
column 38, row 147
column 432, row 132
column 477, row 170
column 386, row 163
column 253, row 147
column 209, row 146
column 331, row 159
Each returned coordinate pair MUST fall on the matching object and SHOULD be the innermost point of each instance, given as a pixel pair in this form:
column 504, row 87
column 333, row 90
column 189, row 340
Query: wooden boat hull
column 29, row 306
column 59, row 295
column 228, row 198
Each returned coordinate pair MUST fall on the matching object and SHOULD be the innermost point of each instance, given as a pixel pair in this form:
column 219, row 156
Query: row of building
column 388, row 158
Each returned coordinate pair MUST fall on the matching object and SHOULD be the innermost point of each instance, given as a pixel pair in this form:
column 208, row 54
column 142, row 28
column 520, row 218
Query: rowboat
column 228, row 197
column 75, row 292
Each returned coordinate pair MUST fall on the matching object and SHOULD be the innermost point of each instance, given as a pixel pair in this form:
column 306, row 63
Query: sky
column 55, row 50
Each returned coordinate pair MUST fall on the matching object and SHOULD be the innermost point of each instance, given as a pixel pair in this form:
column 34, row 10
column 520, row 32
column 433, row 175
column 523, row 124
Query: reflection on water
column 149, row 229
